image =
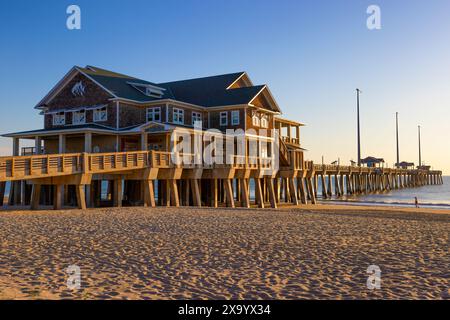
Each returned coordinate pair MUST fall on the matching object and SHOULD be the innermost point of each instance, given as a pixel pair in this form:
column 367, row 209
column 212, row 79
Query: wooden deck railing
column 42, row 166
column 290, row 140
column 38, row 166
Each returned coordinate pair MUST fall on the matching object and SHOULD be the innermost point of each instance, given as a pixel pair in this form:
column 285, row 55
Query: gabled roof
column 372, row 160
column 120, row 84
column 211, row 91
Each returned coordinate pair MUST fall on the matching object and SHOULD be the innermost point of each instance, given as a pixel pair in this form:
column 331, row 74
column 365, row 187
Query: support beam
column 35, row 196
column 144, row 141
column 16, row 147
column 293, row 190
column 2, row 193
column 37, row 145
column 81, row 197
column 272, row 196
column 149, row 194
column 196, row 193
column 57, row 197
column 229, row 192
column 258, row 193
column 174, row 198
column 61, row 143
column 118, row 193
column 245, row 198
column 88, row 142
column 215, row 195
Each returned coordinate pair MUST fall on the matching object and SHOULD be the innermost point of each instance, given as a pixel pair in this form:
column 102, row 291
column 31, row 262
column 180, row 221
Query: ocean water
column 433, row 196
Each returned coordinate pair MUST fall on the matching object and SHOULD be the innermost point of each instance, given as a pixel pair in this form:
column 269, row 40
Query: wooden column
column 57, row 197
column 215, row 196
column 293, row 191
column 229, row 192
column 149, row 194
column 2, row 193
column 196, row 193
column 324, row 186
column 38, row 145
column 330, row 186
column 81, row 197
column 258, row 193
column 312, row 196
column 88, row 142
column 272, row 195
column 35, row 196
column 144, row 141
column 174, row 198
column 244, row 193
column 61, row 143
column 303, row 192
column 118, row 192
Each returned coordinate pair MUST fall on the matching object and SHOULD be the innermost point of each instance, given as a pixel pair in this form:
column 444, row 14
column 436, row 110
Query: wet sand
column 319, row 252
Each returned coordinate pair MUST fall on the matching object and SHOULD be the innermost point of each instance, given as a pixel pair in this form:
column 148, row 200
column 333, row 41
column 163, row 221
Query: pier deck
column 153, row 178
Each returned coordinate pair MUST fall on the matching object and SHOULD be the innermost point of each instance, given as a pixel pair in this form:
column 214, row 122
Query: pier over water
column 151, row 178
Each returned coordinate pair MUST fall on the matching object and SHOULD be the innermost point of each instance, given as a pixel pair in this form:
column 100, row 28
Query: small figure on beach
column 416, row 202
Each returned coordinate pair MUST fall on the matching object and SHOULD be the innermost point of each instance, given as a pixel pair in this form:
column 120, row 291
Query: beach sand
column 316, row 252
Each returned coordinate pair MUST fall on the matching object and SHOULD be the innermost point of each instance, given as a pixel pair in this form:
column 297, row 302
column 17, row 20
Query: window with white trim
column 255, row 120
column 196, row 117
column 100, row 114
column 79, row 117
column 154, row 114
column 59, row 118
column 264, row 122
column 224, row 118
column 235, row 117
column 178, row 116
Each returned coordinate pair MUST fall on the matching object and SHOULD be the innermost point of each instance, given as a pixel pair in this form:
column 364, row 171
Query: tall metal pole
column 396, row 130
column 420, row 151
column 359, row 132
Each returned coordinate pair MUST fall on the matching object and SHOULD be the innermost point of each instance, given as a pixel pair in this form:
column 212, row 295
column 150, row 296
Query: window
column 196, row 117
column 224, row 118
column 255, row 120
column 235, row 117
column 79, row 117
column 59, row 119
column 178, row 116
column 154, row 114
column 100, row 114
column 264, row 122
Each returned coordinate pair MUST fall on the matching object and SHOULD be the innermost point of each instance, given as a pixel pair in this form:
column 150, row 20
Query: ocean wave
column 386, row 203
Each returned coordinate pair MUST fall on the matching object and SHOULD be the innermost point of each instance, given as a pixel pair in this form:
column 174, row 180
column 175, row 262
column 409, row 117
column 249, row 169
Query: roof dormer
column 148, row 89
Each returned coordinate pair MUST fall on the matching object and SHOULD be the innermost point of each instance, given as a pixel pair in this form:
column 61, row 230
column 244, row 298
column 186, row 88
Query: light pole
column 420, row 151
column 358, row 126
column 396, row 130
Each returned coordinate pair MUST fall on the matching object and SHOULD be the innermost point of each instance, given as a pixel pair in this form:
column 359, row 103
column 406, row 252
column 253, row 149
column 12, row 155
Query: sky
column 312, row 54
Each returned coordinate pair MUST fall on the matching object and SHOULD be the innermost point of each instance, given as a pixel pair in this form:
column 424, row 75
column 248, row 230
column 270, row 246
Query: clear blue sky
column 312, row 54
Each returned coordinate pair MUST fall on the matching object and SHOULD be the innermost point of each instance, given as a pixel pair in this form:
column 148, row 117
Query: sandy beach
column 319, row 252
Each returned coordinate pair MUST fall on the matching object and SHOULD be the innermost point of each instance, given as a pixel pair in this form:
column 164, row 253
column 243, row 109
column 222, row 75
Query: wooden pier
column 151, row 178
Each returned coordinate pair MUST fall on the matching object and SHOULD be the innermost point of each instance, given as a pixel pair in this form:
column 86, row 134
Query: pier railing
column 42, row 166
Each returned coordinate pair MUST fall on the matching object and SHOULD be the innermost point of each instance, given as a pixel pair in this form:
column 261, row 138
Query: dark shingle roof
column 206, row 92
column 119, row 84
column 212, row 91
